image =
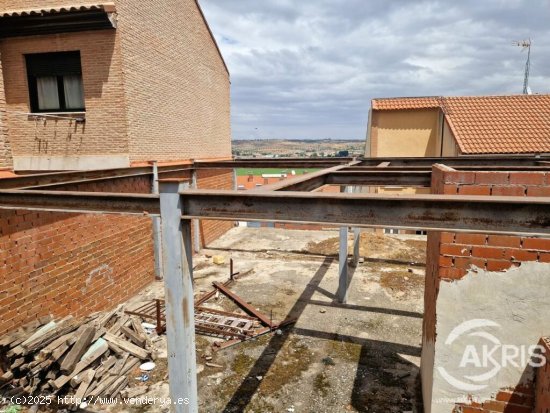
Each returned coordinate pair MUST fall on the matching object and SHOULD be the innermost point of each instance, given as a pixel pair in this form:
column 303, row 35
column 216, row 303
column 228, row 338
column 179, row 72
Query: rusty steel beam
column 52, row 180
column 306, row 182
column 381, row 177
column 243, row 304
column 490, row 214
column 315, row 163
column 465, row 160
column 411, row 168
column 80, row 202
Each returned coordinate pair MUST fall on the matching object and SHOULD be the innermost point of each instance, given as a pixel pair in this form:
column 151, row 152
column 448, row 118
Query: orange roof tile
column 427, row 102
column 488, row 124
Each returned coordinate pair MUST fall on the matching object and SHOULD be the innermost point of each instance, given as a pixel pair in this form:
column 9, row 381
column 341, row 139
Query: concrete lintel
column 62, row 163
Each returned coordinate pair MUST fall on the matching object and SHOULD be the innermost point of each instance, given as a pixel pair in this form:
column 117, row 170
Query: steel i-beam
column 180, row 317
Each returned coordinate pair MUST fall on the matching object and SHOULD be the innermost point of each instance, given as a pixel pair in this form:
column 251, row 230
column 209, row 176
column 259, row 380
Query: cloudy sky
column 309, row 68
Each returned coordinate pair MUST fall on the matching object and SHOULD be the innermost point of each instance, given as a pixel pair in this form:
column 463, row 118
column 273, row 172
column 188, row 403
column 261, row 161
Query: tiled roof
column 107, row 7
column 428, row 102
column 489, row 124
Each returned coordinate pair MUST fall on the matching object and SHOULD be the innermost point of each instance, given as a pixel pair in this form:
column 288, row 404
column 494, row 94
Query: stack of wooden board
column 78, row 358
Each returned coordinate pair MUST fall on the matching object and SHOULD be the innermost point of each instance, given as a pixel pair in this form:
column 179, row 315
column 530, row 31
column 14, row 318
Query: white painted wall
column 516, row 301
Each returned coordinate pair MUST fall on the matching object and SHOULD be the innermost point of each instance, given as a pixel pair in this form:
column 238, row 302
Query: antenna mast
column 525, row 44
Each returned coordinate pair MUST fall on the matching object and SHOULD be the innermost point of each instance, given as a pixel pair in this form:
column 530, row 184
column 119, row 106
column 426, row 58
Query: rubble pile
column 75, row 358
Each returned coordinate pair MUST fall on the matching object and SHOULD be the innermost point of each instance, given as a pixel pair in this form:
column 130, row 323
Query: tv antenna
column 525, row 44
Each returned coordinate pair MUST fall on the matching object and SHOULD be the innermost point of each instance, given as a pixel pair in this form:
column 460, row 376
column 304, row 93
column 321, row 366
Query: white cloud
column 309, row 69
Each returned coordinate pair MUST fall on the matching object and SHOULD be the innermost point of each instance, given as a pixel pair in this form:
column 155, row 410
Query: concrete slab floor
column 363, row 356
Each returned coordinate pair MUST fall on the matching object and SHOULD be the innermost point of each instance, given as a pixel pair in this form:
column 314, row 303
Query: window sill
column 77, row 116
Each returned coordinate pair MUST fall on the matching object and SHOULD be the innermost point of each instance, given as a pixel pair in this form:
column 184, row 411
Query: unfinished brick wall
column 516, row 400
column 452, row 255
column 214, row 179
column 458, row 252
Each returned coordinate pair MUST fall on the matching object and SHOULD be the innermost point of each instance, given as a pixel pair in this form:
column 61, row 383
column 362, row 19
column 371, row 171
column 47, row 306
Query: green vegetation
column 260, row 171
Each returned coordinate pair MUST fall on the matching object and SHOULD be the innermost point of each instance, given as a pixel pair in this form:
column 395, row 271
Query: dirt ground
column 362, row 356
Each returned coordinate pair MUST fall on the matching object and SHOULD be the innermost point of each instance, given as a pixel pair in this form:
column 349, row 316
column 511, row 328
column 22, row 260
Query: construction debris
column 75, row 359
column 232, row 327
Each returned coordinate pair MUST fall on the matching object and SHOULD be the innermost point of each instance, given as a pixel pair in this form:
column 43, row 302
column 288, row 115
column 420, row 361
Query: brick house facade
column 155, row 87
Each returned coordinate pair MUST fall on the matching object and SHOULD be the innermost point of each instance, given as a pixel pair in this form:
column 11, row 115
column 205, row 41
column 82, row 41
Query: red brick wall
column 461, row 251
column 542, row 392
column 517, row 400
column 214, row 179
column 105, row 130
column 129, row 185
column 75, row 264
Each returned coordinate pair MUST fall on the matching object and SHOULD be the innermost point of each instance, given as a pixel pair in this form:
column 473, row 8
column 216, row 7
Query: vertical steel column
column 356, row 236
column 343, row 262
column 178, row 282
column 196, row 225
column 157, row 243
column 235, row 182
column 356, row 244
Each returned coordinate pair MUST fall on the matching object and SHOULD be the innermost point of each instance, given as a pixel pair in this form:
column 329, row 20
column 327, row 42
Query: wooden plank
column 100, row 331
column 105, row 319
column 127, row 346
column 105, row 366
column 120, row 387
column 86, row 381
column 78, row 349
column 102, row 386
column 45, row 352
column 41, row 367
column 116, row 386
column 116, row 349
column 133, row 336
column 138, row 328
column 60, row 329
column 135, row 391
column 17, row 363
column 120, row 363
column 130, row 364
column 96, row 351
column 59, row 351
column 119, row 323
column 7, row 376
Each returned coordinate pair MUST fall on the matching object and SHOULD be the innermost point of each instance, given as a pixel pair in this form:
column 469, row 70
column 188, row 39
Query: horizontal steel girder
column 479, row 160
column 59, row 179
column 314, row 163
column 380, row 178
column 488, row 214
column 81, row 202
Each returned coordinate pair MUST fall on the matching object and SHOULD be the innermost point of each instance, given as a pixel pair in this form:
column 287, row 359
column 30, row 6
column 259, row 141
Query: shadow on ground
column 375, row 387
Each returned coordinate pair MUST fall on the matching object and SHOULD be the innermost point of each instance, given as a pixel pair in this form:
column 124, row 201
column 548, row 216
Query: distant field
column 260, row 171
